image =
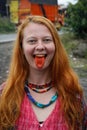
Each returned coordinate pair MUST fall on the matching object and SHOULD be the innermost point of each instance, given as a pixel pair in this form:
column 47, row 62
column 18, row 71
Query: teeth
column 41, row 55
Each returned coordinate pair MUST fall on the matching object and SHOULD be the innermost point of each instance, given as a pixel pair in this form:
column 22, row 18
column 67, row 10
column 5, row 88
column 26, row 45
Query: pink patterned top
column 28, row 120
column 55, row 121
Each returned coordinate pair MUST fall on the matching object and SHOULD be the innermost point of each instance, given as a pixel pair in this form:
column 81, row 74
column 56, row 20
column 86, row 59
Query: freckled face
column 38, row 46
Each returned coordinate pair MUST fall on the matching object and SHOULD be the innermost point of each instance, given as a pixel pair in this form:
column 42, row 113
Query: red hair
column 65, row 79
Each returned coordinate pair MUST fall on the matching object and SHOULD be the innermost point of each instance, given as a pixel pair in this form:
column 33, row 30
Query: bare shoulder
column 2, row 87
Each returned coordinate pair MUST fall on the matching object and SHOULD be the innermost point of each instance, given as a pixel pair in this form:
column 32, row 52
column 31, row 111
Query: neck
column 39, row 77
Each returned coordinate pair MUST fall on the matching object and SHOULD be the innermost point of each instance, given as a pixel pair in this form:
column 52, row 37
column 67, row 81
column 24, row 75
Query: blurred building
column 18, row 10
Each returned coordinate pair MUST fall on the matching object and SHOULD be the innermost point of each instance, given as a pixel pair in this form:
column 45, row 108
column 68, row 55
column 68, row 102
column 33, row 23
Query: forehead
column 36, row 29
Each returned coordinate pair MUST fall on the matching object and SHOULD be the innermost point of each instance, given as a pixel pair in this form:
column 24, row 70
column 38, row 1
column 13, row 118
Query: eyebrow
column 29, row 37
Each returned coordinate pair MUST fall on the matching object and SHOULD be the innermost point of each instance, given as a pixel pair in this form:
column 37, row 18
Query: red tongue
column 39, row 61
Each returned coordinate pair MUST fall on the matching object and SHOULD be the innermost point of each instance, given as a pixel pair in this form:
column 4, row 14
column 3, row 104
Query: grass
column 70, row 42
column 6, row 26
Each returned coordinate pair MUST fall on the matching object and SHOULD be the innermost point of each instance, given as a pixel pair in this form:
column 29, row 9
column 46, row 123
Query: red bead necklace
column 41, row 88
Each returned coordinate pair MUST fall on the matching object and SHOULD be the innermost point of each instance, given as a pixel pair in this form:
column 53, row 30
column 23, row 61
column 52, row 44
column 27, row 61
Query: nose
column 40, row 46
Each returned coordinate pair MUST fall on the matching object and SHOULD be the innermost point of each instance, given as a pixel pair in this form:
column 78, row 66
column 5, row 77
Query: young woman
column 42, row 91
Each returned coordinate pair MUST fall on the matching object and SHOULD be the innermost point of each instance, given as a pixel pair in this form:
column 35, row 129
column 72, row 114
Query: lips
column 40, row 60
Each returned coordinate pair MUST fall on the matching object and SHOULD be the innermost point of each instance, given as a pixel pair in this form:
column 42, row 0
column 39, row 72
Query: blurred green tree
column 77, row 18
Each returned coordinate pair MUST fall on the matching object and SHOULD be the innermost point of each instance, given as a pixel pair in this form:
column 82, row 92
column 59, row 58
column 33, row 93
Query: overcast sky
column 65, row 2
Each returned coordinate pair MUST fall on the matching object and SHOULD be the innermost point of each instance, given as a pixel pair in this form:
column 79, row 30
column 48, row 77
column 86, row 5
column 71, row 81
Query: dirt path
column 5, row 54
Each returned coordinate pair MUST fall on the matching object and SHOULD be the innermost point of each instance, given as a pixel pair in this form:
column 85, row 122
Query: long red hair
column 65, row 79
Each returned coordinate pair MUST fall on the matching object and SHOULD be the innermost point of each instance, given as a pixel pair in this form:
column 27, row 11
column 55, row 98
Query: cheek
column 52, row 49
column 26, row 51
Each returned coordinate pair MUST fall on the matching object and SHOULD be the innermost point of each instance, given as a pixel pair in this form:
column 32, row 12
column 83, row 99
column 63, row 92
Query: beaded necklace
column 38, row 90
column 42, row 90
column 40, row 105
column 31, row 85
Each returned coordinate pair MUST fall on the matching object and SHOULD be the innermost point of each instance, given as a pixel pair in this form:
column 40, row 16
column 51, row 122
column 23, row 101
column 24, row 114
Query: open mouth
column 40, row 55
column 40, row 60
